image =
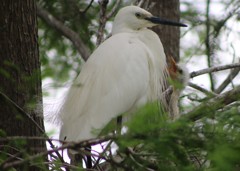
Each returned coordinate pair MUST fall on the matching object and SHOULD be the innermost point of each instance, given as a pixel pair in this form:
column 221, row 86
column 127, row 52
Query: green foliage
column 211, row 143
column 2, row 133
column 19, row 148
column 58, row 56
column 157, row 143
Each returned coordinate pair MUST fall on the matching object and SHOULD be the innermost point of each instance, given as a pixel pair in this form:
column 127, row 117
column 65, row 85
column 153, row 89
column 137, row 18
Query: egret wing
column 113, row 81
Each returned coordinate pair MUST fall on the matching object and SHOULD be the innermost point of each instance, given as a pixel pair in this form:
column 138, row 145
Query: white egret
column 124, row 72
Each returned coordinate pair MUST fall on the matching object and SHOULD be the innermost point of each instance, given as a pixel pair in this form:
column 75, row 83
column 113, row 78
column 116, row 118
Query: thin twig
column 69, row 145
column 114, row 10
column 20, row 110
column 89, row 5
column 53, row 163
column 10, row 138
column 214, row 69
column 231, row 106
column 10, row 147
column 11, row 158
column 203, row 90
column 140, row 3
column 234, row 72
column 104, row 151
column 221, row 23
column 131, row 154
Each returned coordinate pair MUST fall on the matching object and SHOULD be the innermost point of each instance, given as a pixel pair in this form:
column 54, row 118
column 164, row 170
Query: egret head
column 132, row 18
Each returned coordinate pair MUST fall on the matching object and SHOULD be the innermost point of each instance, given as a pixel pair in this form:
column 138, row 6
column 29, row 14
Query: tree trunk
column 20, row 76
column 170, row 38
column 169, row 35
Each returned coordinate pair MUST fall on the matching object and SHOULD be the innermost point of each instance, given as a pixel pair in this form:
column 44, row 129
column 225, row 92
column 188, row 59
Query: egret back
column 124, row 72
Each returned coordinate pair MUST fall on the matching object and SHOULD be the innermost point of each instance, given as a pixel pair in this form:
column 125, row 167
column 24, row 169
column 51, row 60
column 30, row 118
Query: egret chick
column 124, row 72
column 180, row 76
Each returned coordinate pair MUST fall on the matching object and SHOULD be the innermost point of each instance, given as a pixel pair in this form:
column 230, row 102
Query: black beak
column 157, row 20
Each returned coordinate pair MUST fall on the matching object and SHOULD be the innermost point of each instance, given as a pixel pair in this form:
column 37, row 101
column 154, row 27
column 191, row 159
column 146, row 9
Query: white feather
column 124, row 72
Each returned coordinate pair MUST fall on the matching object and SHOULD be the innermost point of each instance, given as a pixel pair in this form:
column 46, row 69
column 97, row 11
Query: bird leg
column 88, row 158
column 79, row 156
column 119, row 124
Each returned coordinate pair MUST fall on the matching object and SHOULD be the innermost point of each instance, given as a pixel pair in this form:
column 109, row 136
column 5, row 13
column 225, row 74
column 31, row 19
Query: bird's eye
column 180, row 70
column 138, row 15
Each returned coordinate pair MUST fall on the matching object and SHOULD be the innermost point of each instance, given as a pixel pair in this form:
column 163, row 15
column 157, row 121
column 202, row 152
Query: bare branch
column 11, row 138
column 140, row 3
column 203, row 90
column 212, row 105
column 234, row 72
column 214, row 69
column 89, row 5
column 209, row 46
column 64, row 30
column 114, row 10
column 102, row 21
column 102, row 154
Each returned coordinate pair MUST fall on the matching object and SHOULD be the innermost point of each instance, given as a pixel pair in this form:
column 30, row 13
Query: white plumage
column 124, row 72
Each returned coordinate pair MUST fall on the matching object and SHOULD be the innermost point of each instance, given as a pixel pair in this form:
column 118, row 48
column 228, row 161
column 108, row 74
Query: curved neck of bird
column 123, row 28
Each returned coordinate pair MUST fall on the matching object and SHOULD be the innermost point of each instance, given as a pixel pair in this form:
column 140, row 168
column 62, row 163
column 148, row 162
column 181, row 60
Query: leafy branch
column 83, row 50
column 214, row 104
column 203, row 110
column 25, row 114
column 67, row 145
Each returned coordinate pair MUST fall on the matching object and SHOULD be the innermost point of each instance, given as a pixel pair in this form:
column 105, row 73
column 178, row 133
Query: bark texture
column 170, row 38
column 169, row 35
column 20, row 76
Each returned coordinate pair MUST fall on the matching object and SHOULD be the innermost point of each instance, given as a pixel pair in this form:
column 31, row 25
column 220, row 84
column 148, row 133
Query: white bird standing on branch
column 124, row 72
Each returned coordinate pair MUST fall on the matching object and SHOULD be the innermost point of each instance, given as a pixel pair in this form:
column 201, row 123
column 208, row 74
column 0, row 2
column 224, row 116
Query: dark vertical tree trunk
column 20, row 75
column 169, row 35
